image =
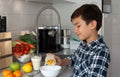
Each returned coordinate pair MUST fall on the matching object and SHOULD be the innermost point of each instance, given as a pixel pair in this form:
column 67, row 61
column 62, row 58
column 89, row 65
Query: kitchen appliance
column 65, row 38
column 48, row 37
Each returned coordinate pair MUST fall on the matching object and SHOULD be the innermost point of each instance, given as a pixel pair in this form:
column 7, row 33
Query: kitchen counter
column 62, row 53
column 65, row 72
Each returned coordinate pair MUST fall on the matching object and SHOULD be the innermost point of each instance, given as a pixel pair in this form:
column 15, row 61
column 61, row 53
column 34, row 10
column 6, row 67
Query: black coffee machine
column 49, row 39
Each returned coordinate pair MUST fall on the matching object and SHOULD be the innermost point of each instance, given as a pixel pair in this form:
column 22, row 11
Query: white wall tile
column 21, row 15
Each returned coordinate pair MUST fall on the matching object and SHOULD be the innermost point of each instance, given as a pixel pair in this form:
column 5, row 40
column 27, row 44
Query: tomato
column 17, row 46
column 22, row 49
column 27, row 47
column 17, row 50
column 26, row 52
column 22, row 45
column 21, row 53
column 16, row 54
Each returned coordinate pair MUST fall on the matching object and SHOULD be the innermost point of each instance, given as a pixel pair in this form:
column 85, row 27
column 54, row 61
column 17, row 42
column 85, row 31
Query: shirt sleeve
column 96, row 66
column 72, row 58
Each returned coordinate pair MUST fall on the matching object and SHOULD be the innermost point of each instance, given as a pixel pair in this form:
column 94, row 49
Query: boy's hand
column 58, row 60
column 62, row 62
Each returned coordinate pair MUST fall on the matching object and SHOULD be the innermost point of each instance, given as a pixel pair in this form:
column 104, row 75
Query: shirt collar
column 93, row 43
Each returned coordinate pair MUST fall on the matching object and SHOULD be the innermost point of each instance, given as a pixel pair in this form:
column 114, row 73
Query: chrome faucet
column 37, row 23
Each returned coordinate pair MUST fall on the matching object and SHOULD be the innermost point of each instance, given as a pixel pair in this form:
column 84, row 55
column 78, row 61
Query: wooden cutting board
column 5, row 62
column 5, row 49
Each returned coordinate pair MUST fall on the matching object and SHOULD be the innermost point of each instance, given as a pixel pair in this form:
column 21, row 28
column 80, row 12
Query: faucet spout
column 59, row 24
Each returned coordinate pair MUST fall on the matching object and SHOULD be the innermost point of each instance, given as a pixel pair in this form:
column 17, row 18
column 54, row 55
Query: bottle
column 3, row 24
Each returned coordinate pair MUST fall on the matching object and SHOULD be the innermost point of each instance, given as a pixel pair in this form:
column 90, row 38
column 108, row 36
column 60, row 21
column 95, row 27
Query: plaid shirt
column 91, row 60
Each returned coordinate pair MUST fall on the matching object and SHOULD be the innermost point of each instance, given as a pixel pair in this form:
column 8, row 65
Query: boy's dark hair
column 89, row 12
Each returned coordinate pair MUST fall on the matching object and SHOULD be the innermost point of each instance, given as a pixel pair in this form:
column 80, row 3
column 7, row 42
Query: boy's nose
column 75, row 30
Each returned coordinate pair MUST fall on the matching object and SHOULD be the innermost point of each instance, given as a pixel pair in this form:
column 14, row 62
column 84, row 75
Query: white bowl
column 25, row 58
column 50, row 71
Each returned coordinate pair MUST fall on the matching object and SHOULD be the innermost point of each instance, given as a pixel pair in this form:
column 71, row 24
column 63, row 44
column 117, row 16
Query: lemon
column 27, row 68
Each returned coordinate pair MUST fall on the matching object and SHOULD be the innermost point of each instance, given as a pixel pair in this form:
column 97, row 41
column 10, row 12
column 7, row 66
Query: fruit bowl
column 25, row 58
column 50, row 71
column 23, row 47
column 22, row 51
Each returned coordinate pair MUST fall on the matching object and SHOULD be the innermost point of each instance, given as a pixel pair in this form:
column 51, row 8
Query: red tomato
column 21, row 53
column 25, row 52
column 22, row 49
column 17, row 50
column 27, row 47
column 17, row 46
column 16, row 54
column 22, row 45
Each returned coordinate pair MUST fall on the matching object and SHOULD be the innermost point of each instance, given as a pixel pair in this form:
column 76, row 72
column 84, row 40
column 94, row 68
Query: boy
column 92, row 57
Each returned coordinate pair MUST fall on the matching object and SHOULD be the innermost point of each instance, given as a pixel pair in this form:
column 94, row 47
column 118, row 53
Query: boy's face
column 84, row 31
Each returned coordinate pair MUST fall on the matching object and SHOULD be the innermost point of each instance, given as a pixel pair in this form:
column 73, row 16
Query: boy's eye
column 78, row 26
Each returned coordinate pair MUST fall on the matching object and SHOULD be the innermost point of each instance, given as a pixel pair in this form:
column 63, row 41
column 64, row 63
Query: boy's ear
column 93, row 24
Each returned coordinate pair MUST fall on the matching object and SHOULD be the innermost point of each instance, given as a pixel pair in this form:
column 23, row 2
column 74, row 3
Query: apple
column 14, row 66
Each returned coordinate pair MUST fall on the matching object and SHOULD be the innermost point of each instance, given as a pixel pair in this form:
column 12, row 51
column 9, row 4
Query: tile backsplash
column 21, row 15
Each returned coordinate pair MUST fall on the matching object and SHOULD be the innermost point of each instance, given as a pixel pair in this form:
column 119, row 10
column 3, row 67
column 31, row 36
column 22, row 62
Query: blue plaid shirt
column 91, row 60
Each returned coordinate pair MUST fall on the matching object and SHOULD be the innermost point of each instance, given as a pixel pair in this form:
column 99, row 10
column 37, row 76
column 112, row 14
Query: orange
column 10, row 75
column 29, row 63
column 6, row 72
column 17, row 73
